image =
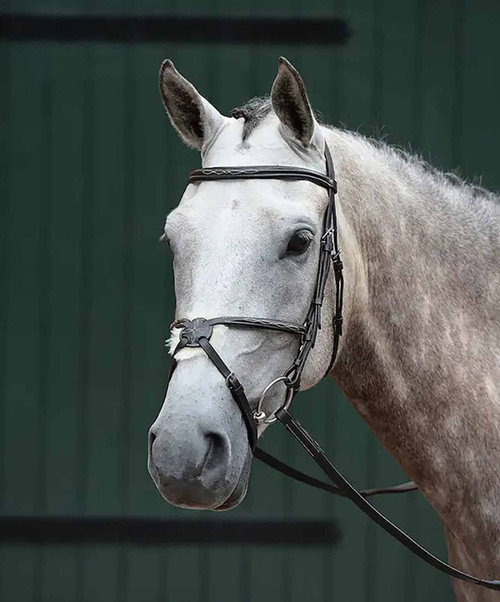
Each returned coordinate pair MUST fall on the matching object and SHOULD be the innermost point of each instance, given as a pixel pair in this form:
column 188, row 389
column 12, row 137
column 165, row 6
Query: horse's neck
column 419, row 349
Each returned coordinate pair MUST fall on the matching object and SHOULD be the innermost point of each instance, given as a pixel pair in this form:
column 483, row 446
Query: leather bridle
column 198, row 331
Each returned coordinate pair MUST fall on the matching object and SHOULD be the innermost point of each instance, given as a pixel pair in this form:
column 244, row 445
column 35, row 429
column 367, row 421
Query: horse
column 419, row 352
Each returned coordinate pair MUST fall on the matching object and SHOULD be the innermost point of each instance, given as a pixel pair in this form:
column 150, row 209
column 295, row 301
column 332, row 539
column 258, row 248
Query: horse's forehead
column 234, row 219
column 244, row 206
column 264, row 146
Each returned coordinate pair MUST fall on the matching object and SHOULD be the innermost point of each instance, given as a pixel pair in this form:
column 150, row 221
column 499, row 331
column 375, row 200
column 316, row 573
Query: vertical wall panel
column 57, row 574
column 184, row 573
column 63, row 257
column 59, row 495
column 478, row 117
column 435, row 93
column 143, row 579
column 107, row 302
column 24, row 286
column 24, row 293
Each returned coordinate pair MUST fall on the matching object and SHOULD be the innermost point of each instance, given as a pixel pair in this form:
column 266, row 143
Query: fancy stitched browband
column 198, row 331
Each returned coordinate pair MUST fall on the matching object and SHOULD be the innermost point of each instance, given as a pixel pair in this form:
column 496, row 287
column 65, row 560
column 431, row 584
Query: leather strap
column 318, row 455
column 236, row 389
column 302, row 477
column 244, row 321
column 264, row 172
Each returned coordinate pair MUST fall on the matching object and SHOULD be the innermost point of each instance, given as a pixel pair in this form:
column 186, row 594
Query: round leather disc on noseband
column 194, row 330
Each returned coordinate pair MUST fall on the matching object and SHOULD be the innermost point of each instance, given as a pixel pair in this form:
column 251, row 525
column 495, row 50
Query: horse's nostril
column 217, row 450
column 216, row 441
column 151, row 439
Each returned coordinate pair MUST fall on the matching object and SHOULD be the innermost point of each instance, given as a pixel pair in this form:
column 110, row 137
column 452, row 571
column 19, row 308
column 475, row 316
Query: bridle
column 198, row 331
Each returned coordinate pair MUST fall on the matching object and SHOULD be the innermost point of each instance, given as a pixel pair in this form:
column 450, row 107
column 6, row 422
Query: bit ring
column 259, row 415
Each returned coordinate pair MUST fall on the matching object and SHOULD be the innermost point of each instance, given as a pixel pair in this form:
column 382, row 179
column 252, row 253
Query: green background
column 89, row 167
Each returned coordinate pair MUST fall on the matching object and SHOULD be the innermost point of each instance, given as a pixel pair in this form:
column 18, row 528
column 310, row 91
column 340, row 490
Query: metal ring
column 259, row 415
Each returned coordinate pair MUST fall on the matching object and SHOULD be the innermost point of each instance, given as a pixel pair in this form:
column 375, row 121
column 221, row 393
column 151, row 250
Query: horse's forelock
column 253, row 112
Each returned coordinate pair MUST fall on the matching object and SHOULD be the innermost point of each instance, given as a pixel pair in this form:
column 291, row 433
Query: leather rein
column 198, row 331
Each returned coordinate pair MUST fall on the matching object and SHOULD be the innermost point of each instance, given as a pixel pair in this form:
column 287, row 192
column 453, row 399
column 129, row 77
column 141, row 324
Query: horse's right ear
column 194, row 118
column 291, row 104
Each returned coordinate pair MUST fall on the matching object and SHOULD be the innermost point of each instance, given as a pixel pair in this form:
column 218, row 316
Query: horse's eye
column 299, row 242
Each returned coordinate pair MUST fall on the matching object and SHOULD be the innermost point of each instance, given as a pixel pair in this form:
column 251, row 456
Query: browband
column 263, row 172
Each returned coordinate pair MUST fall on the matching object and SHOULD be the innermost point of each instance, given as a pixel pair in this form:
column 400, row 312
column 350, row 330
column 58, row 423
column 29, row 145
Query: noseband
column 198, row 331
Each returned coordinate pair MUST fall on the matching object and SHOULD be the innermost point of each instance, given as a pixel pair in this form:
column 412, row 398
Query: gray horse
column 419, row 357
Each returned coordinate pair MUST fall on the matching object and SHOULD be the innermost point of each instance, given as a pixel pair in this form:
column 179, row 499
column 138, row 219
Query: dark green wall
column 89, row 167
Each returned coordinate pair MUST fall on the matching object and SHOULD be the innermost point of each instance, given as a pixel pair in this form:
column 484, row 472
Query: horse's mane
column 415, row 162
column 256, row 109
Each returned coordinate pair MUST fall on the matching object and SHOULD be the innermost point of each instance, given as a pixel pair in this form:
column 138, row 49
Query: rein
column 198, row 331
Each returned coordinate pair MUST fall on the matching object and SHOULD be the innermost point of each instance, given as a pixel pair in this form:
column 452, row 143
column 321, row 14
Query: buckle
column 328, row 233
column 327, row 245
column 233, row 383
column 338, row 266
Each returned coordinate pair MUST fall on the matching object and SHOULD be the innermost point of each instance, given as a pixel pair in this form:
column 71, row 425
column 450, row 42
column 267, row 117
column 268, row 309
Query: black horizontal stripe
column 43, row 530
column 68, row 28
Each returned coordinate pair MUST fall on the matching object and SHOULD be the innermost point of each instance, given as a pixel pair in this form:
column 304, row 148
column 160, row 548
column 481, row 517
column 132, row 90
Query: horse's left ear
column 291, row 104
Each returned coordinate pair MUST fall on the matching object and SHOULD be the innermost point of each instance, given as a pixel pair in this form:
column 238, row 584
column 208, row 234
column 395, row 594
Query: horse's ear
column 291, row 104
column 194, row 118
